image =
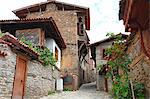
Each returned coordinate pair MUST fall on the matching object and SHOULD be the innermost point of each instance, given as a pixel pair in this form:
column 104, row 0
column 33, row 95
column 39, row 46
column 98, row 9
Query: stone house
column 40, row 31
column 135, row 14
column 97, row 50
column 72, row 21
column 22, row 73
column 99, row 57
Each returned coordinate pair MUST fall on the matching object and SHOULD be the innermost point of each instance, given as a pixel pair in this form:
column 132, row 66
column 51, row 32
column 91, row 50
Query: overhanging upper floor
column 46, row 24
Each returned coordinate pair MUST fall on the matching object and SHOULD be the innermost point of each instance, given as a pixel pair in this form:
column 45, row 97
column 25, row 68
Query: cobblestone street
column 86, row 91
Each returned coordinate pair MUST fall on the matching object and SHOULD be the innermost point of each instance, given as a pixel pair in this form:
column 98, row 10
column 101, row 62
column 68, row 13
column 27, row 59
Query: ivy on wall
column 44, row 53
column 118, row 70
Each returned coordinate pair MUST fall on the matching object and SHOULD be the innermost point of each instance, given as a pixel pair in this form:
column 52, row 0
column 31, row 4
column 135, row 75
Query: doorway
column 20, row 78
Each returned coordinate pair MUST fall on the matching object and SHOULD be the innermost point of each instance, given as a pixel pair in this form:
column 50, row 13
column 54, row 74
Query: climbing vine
column 118, row 69
column 44, row 53
column 1, row 34
column 118, row 62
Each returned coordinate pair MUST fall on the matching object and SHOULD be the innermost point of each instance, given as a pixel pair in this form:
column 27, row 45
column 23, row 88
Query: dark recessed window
column 80, row 26
column 56, row 54
column 104, row 54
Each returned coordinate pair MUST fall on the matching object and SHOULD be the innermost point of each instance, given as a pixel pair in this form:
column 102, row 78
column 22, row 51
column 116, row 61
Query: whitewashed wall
column 51, row 44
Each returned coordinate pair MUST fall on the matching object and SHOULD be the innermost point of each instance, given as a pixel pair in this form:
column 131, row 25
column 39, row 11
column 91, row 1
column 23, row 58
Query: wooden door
column 19, row 80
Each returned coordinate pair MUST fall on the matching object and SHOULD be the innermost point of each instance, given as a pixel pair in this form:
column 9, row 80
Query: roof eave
column 107, row 40
column 16, row 42
column 26, row 9
column 125, row 12
column 60, row 40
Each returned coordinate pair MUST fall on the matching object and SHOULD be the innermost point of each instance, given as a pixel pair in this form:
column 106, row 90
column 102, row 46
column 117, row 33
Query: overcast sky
column 103, row 13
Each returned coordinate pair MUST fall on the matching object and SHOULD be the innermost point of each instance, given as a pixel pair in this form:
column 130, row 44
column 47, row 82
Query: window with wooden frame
column 42, row 37
column 104, row 55
column 56, row 54
column 80, row 26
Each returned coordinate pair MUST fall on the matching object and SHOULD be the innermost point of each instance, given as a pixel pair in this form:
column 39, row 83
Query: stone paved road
column 87, row 91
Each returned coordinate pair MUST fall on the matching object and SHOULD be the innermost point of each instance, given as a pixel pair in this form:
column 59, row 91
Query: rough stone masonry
column 40, row 80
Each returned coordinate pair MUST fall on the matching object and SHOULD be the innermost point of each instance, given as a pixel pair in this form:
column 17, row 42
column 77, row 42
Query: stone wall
column 66, row 22
column 140, row 66
column 7, row 71
column 99, row 50
column 40, row 79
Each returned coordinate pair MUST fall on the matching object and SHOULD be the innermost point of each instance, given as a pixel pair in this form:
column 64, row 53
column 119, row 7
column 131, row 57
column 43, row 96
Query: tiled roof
column 57, row 35
column 18, row 45
column 48, row 2
column 22, row 12
column 107, row 40
column 4, row 42
column 134, row 13
column 25, row 20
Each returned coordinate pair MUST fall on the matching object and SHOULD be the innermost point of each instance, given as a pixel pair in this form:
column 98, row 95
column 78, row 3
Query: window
column 82, row 29
column 80, row 19
column 80, row 26
column 104, row 55
column 56, row 54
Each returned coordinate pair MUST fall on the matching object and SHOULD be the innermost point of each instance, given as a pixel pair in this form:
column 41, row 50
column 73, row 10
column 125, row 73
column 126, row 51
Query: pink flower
column 31, row 37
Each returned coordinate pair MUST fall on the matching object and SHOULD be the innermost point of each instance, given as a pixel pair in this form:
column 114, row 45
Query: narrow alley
column 86, row 91
column 75, row 49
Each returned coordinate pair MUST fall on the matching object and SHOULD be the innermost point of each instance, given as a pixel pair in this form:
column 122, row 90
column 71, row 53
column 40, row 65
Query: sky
column 103, row 14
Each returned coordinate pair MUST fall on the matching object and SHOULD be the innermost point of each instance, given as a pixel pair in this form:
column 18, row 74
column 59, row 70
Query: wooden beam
column 128, row 12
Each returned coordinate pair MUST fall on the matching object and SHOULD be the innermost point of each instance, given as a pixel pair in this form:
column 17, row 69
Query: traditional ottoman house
column 136, row 17
column 72, row 21
column 40, row 31
column 22, row 73
column 99, row 57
